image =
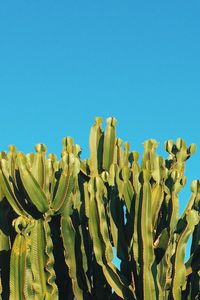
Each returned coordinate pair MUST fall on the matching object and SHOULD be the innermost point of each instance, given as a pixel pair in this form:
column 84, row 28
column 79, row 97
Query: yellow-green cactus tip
column 3, row 155
column 21, row 156
column 168, row 145
column 150, row 144
column 135, row 155
column 126, row 146
column 192, row 149
column 12, row 148
column 195, row 186
column 119, row 142
column 146, row 175
column 180, row 143
column 40, row 148
column 52, row 157
column 98, row 120
column 111, row 121
column 68, row 140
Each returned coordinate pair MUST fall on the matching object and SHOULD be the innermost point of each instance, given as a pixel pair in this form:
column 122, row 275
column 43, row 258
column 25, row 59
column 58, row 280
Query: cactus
column 61, row 220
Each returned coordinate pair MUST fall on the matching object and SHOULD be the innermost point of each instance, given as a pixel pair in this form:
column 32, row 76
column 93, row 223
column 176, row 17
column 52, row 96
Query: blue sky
column 64, row 62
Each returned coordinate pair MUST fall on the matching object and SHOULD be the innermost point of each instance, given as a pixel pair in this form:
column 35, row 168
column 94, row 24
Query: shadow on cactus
column 60, row 220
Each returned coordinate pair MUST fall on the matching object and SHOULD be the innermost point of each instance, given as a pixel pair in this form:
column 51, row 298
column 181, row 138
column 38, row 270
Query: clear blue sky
column 64, row 62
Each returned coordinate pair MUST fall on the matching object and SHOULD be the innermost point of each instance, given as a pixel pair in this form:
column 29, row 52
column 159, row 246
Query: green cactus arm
column 146, row 239
column 5, row 244
column 174, row 212
column 31, row 186
column 194, row 198
column 52, row 290
column 157, row 199
column 68, row 235
column 75, row 251
column 195, row 239
column 126, row 154
column 38, row 166
column 162, row 278
column 76, row 195
column 119, row 182
column 160, row 171
column 128, row 188
column 179, row 276
column 166, row 239
column 81, row 250
column 64, row 189
column 84, row 167
column 86, row 199
column 29, row 158
column 70, row 147
column 43, row 275
column 70, row 166
column 149, row 156
column 28, row 278
column 71, row 196
column 96, row 136
column 38, row 261
column 67, row 143
column 100, row 190
column 135, row 172
column 4, row 241
column 176, row 180
column 114, row 280
column 94, row 230
column 8, row 191
column 11, row 156
column 109, row 144
column 17, row 268
column 156, row 166
column 99, row 250
column 134, row 241
column 109, row 270
column 160, row 248
column 116, row 217
column 189, row 218
column 84, row 258
column 21, row 258
column 118, row 153
column 51, row 167
column 113, row 210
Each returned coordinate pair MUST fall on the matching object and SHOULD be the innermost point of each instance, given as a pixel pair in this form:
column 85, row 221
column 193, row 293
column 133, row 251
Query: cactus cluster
column 61, row 220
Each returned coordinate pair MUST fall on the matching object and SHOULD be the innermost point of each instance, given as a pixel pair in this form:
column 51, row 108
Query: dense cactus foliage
column 60, row 221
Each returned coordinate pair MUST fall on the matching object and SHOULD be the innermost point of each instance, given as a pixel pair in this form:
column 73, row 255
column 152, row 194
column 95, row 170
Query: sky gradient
column 64, row 62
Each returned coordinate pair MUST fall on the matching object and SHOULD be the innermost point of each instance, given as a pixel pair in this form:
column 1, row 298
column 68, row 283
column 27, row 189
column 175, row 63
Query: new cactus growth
column 60, row 220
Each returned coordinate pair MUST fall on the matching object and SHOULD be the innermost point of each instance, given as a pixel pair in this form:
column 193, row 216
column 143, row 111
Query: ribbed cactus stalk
column 63, row 221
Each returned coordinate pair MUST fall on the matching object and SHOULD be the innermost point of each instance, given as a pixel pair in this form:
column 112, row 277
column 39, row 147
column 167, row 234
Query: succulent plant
column 61, row 221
